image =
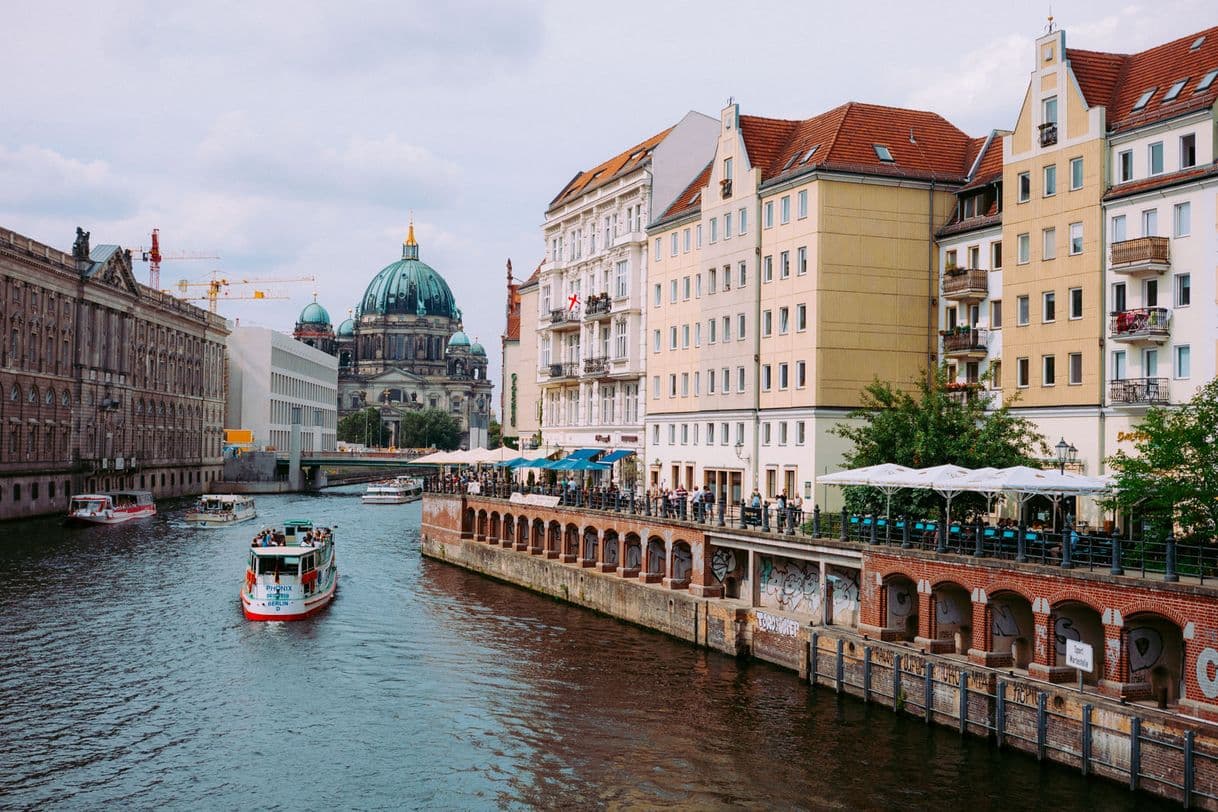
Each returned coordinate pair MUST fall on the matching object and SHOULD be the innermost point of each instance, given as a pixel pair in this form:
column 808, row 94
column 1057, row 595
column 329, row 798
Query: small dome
column 347, row 328
column 459, row 339
column 315, row 314
column 477, row 349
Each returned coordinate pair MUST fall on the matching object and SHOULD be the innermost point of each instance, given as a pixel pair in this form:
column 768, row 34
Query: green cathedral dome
column 347, row 328
column 459, row 339
column 315, row 314
column 409, row 287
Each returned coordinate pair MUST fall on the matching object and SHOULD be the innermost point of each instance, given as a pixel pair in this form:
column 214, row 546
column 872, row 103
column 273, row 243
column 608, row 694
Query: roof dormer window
column 810, row 153
column 1144, row 98
column 1206, row 81
column 882, row 153
column 1197, row 43
column 790, row 161
column 1174, row 90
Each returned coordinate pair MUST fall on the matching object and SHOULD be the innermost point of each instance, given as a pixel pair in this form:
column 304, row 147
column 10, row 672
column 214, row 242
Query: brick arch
column 1072, row 595
column 895, row 572
column 509, row 527
column 997, row 589
column 947, row 581
column 1145, row 608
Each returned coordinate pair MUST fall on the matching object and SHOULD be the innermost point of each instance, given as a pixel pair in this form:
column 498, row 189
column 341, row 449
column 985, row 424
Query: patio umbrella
column 1025, row 482
column 873, row 476
column 941, row 478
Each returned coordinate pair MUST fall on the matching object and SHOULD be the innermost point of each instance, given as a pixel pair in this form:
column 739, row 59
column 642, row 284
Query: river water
column 129, row 677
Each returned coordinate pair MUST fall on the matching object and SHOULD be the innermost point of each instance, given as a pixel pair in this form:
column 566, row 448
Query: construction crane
column 154, row 257
column 217, row 288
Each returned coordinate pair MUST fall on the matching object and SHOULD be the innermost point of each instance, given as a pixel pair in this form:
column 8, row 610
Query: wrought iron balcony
column 596, row 365
column 1138, row 392
column 567, row 370
column 964, row 342
column 1149, row 324
column 966, row 283
column 562, row 318
column 598, row 306
column 1141, row 256
column 1048, row 134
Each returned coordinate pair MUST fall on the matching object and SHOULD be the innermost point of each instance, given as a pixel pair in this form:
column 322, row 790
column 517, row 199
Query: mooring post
column 765, row 516
column 928, row 698
column 873, row 528
column 723, row 509
column 896, row 682
column 866, row 673
column 1000, row 712
column 1170, row 569
column 1135, row 751
column 816, row 521
column 1085, row 760
column 905, row 531
column 1021, row 543
column 845, row 525
column 978, row 552
column 1116, row 568
column 1042, row 725
column 841, row 665
column 963, row 702
column 1189, row 774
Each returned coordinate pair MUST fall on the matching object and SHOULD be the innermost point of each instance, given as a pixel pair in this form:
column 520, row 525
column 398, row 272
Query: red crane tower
column 153, row 257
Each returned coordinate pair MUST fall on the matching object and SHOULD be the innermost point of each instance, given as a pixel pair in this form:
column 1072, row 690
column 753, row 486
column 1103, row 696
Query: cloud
column 39, row 180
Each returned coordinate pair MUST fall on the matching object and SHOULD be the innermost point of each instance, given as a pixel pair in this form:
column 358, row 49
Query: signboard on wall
column 1079, row 655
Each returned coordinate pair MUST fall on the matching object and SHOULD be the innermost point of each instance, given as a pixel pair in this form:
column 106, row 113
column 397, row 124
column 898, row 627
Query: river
column 129, row 678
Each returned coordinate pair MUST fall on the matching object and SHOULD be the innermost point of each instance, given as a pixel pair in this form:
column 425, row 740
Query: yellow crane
column 218, row 288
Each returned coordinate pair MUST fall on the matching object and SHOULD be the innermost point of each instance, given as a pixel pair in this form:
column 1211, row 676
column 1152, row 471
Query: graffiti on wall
column 634, row 556
column 1003, row 622
column 610, row 550
column 845, row 585
column 793, row 586
column 1207, row 673
column 682, row 562
column 948, row 611
column 655, row 556
column 723, row 563
column 1064, row 630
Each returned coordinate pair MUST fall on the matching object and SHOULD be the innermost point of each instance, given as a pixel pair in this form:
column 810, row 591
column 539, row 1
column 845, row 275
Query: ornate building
column 314, row 328
column 105, row 383
column 404, row 349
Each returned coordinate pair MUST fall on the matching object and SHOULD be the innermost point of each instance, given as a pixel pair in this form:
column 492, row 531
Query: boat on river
column 114, row 507
column 396, row 491
column 291, row 574
column 221, row 510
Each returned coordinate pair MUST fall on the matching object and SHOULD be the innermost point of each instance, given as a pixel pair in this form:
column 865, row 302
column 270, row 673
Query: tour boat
column 292, row 573
column 111, row 508
column 394, row 492
column 221, row 510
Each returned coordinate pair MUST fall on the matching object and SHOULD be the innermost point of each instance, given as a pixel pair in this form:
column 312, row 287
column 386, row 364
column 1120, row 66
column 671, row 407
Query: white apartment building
column 270, row 374
column 589, row 321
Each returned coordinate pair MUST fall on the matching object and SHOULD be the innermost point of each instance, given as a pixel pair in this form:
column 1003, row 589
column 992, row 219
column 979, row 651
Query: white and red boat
column 111, row 508
column 292, row 573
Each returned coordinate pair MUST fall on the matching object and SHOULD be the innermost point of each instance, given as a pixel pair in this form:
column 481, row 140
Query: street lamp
column 1066, row 453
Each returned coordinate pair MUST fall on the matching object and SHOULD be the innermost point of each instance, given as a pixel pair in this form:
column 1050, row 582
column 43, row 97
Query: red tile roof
column 624, row 162
column 1117, row 81
column 989, row 168
column 688, row 201
column 1162, row 181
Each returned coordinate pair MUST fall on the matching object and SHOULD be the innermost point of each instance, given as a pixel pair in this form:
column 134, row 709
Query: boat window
column 271, row 564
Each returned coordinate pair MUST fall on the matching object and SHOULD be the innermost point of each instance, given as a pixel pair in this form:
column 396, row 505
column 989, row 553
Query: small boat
column 292, row 572
column 110, row 508
column 221, row 510
column 396, row 491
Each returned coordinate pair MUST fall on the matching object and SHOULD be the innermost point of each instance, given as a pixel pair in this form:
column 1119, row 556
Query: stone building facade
column 105, row 383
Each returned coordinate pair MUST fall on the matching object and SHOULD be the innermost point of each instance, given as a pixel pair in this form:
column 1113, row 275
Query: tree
column 364, row 427
column 1172, row 476
column 938, row 424
column 429, row 428
column 494, row 434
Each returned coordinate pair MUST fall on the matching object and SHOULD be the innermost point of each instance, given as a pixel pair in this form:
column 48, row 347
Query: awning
column 614, row 456
column 583, row 453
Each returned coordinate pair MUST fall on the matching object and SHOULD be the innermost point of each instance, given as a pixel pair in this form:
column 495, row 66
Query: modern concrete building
column 106, row 384
column 270, row 376
column 589, row 321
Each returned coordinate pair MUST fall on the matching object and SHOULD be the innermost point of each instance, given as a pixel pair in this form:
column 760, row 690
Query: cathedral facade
column 403, row 349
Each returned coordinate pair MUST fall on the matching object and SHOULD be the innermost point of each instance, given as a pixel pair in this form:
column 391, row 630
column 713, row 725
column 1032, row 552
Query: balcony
column 1145, row 256
column 598, row 307
column 964, row 342
column 596, row 366
column 1138, row 392
column 966, row 284
column 964, row 391
column 1048, row 134
column 1144, row 324
column 564, row 319
column 558, row 371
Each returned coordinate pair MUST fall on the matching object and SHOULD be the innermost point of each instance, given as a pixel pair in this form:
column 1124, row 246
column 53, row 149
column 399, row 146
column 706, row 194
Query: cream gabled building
column 794, row 271
column 589, row 321
column 520, row 401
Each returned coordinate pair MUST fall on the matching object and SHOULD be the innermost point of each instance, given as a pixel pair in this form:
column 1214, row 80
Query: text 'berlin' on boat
column 292, row 573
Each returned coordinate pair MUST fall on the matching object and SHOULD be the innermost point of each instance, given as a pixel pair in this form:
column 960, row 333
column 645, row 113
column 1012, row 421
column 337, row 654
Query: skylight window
column 1144, row 98
column 882, row 153
column 1197, row 43
column 1174, row 90
column 1206, row 81
column 695, row 198
column 811, row 152
column 790, row 161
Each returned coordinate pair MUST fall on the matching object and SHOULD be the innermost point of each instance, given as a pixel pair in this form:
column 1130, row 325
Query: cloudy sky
column 292, row 140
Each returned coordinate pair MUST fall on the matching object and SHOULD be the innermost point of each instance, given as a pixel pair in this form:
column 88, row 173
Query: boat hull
column 111, row 517
column 385, row 500
column 212, row 522
column 299, row 609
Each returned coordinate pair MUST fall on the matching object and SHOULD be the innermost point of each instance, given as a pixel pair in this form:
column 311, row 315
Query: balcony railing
column 566, row 370
column 598, row 306
column 563, row 316
column 1141, row 324
column 964, row 342
column 600, row 364
column 1048, row 134
column 1138, row 391
column 1141, row 254
column 966, row 283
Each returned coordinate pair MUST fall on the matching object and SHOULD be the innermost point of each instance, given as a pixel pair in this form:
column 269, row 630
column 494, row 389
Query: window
column 740, row 325
column 698, row 236
column 782, row 432
column 727, row 329
column 995, row 374
column 714, row 229
column 621, row 279
column 785, row 207
column 801, row 374
column 710, row 433
column 767, row 268
column 727, row 387
column 1125, row 164
column 1118, row 296
column 684, row 434
column 672, row 248
column 744, row 221
column 712, row 330
column 784, row 265
column 1188, row 151
column 1150, row 223
column 1076, row 174
column 801, row 260
column 1021, row 372
column 685, row 336
column 1118, row 365
column 767, row 322
column 710, row 383
column 659, row 295
column 1022, row 248
column 1048, row 370
column 672, row 291
column 744, row 274
column 974, row 256
column 1150, row 363
column 1118, row 228
column 685, row 241
column 1025, row 187
column 1184, row 291
column 655, row 434
column 801, row 317
column 698, row 286
column 765, row 440
column 1174, row 90
column 1144, row 99
column 727, row 168
column 1206, row 81
column 1049, row 305
column 658, row 249
column 1049, row 108
column 727, row 226
column 723, row 434
column 801, row 204
column 1183, row 362
column 655, row 341
column 996, row 256
column 1076, row 303
column 1048, row 244
column 739, row 379
column 712, row 281
column 1050, row 180
column 672, row 385
column 784, row 378
column 672, row 338
column 784, row 320
column 883, row 153
column 1076, row 368
column 800, row 433
column 698, row 334
column 1181, row 219
column 1154, row 158
column 996, row 314
column 672, row 433
column 1021, row 310
column 697, row 384
column 769, row 214
column 1076, row 238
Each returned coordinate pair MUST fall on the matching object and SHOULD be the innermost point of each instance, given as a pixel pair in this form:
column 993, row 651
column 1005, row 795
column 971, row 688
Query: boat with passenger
column 114, row 507
column 221, row 510
column 395, row 491
column 291, row 574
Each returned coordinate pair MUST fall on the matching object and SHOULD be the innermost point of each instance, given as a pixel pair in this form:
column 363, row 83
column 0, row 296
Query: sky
column 295, row 139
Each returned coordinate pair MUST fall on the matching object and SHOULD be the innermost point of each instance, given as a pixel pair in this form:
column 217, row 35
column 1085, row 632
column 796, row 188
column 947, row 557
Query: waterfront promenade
column 979, row 639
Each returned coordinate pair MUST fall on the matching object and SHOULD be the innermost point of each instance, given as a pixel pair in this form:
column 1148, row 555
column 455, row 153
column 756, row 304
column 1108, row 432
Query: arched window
column 14, row 394
column 32, row 395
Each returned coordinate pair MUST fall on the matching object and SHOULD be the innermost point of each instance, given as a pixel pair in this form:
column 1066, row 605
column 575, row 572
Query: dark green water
column 128, row 678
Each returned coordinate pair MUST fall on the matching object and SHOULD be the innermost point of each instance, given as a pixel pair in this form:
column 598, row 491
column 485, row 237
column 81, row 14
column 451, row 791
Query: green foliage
column 1172, row 476
column 494, row 434
column 365, row 428
column 932, row 426
column 429, row 428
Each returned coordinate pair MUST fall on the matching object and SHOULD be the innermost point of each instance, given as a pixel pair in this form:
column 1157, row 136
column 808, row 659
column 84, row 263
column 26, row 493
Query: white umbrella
column 1025, row 482
column 941, row 478
column 873, row 476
